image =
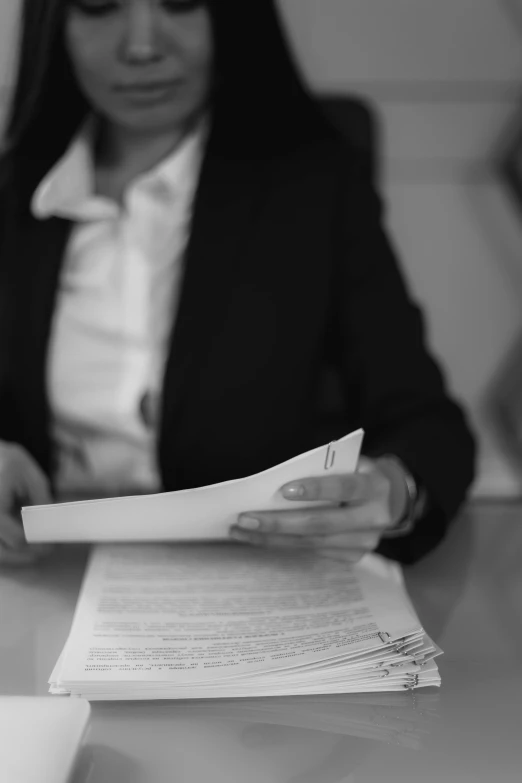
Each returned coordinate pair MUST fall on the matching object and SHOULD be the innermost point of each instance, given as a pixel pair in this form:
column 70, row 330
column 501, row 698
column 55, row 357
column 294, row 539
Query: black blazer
column 290, row 285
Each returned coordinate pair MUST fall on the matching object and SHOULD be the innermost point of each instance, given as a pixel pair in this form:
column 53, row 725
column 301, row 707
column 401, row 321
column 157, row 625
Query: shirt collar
column 69, row 185
column 177, row 167
column 67, row 190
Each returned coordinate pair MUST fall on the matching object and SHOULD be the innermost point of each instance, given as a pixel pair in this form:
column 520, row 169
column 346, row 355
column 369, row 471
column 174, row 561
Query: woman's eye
column 102, row 7
column 95, row 7
column 181, row 6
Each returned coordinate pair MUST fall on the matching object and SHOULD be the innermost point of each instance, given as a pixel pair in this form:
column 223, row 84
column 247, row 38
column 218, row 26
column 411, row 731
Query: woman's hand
column 368, row 503
column 22, row 482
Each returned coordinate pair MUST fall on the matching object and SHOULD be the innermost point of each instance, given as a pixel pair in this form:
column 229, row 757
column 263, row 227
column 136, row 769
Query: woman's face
column 144, row 65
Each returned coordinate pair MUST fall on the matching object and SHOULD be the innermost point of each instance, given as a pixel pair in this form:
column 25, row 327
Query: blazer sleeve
column 405, row 407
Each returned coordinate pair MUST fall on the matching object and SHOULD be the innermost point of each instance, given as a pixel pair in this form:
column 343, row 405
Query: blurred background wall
column 9, row 10
column 444, row 78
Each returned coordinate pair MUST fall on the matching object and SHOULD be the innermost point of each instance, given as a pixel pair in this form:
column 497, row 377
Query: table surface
column 468, row 595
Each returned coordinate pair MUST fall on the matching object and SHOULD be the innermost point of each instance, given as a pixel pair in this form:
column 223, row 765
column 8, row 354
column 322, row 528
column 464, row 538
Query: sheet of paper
column 191, row 515
column 192, row 614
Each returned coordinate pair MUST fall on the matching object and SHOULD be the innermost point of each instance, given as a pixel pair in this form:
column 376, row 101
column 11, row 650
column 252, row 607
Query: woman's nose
column 140, row 40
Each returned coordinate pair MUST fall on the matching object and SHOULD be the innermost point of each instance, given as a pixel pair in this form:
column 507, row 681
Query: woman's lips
column 150, row 91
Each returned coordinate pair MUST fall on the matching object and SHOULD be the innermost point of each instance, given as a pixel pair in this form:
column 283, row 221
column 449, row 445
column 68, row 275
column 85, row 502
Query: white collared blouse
column 116, row 306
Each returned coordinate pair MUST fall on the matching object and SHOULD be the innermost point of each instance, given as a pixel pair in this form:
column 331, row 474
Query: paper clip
column 330, row 457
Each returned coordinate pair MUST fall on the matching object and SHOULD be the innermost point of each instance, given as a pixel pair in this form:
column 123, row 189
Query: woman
column 186, row 250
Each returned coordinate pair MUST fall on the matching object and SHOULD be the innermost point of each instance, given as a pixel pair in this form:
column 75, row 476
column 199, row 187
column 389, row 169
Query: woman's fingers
column 22, row 557
column 352, row 512
column 13, row 547
column 367, row 541
column 38, row 486
column 341, row 488
column 11, row 532
column 320, row 521
column 22, row 482
column 21, row 478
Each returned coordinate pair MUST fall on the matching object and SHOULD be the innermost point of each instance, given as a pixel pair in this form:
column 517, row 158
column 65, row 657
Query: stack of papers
column 200, row 621
column 203, row 621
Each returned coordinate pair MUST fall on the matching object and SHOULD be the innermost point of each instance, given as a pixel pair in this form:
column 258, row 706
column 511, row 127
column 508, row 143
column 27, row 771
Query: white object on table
column 41, row 738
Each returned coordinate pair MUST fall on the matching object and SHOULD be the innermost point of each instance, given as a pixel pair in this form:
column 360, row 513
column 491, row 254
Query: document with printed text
column 191, row 621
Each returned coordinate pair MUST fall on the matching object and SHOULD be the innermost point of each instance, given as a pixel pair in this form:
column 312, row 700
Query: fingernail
column 249, row 523
column 294, row 491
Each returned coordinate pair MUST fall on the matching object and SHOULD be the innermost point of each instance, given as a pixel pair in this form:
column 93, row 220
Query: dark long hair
column 260, row 102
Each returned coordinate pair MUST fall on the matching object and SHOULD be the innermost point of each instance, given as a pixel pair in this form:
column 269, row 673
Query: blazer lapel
column 223, row 212
column 38, row 252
